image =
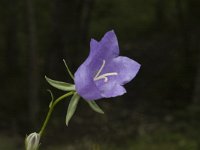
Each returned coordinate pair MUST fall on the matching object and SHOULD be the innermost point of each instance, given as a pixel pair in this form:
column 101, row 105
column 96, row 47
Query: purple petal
column 124, row 70
column 111, row 89
column 125, row 67
column 106, row 49
column 84, row 84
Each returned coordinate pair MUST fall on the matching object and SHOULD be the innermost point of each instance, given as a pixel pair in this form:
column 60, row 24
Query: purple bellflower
column 104, row 72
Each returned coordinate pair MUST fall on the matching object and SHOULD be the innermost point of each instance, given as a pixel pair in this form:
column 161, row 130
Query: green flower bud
column 32, row 141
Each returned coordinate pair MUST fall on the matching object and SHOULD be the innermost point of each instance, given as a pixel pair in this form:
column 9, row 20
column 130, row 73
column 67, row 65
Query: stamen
column 104, row 76
column 101, row 68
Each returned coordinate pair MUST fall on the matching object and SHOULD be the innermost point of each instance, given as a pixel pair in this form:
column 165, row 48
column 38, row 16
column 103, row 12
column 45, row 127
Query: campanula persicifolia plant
column 102, row 75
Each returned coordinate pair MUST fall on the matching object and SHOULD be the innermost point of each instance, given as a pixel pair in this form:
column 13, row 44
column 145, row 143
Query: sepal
column 68, row 70
column 60, row 85
column 72, row 107
column 95, row 107
column 52, row 98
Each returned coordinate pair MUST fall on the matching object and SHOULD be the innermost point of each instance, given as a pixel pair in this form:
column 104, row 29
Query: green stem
column 51, row 110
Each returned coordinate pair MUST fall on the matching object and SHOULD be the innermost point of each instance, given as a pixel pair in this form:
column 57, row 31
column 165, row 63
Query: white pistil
column 105, row 75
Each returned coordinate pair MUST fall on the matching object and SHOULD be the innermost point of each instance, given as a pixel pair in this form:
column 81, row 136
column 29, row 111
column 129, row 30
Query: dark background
column 161, row 108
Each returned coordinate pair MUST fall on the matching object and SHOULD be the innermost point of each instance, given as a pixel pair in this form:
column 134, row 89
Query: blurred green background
column 162, row 106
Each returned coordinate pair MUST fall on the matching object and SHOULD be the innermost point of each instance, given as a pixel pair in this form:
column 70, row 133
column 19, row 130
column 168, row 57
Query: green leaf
column 68, row 70
column 95, row 107
column 72, row 107
column 52, row 98
column 60, row 85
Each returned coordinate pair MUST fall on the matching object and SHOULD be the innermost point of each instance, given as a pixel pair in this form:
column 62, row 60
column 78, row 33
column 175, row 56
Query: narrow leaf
column 95, row 107
column 68, row 70
column 52, row 98
column 60, row 85
column 72, row 107
column 50, row 104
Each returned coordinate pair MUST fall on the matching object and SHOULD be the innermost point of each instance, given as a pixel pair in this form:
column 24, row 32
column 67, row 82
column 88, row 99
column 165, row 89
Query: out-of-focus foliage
column 162, row 105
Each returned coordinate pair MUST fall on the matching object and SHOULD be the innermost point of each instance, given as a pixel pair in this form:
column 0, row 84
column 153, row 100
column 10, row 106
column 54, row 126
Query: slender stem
column 51, row 110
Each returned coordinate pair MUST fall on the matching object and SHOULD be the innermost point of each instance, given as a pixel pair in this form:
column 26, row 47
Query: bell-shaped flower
column 104, row 72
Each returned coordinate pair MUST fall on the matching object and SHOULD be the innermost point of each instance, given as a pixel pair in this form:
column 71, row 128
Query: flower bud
column 32, row 141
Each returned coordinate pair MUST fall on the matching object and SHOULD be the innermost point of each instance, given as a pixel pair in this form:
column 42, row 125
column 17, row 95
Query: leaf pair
column 73, row 105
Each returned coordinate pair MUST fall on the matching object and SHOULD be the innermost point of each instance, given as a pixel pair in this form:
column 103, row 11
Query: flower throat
column 105, row 75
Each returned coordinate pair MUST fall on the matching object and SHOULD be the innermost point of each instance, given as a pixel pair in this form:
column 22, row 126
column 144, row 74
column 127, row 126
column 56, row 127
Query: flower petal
column 111, row 89
column 84, row 84
column 125, row 67
column 105, row 49
column 124, row 70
